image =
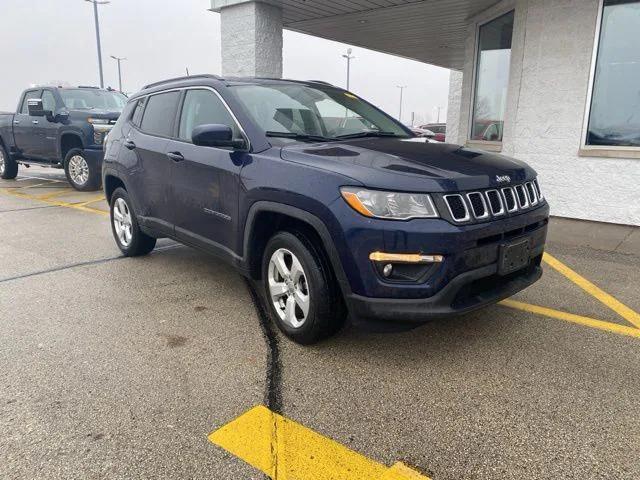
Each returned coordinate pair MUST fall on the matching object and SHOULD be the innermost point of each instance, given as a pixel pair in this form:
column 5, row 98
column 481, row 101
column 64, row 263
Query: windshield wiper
column 299, row 136
column 372, row 133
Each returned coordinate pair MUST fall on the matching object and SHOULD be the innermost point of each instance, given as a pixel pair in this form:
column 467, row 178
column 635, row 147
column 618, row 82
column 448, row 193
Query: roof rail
column 320, row 81
column 162, row 82
column 89, row 86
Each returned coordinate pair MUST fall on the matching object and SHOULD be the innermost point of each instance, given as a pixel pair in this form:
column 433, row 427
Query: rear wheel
column 82, row 174
column 131, row 240
column 8, row 166
column 302, row 296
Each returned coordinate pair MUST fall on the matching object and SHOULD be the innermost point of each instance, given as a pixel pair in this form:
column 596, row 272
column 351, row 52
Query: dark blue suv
column 328, row 203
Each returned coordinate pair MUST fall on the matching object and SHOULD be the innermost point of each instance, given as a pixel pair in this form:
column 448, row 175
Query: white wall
column 550, row 68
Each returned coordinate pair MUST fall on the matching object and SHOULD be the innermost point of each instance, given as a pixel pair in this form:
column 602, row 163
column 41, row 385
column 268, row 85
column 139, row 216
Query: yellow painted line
column 570, row 317
column 286, row 450
column 611, row 302
column 94, row 200
column 62, row 191
column 55, row 202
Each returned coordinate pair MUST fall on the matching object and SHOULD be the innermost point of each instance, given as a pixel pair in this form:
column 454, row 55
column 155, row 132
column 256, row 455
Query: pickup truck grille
column 493, row 203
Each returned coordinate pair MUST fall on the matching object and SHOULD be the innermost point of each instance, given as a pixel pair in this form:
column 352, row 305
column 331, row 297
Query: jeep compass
column 330, row 205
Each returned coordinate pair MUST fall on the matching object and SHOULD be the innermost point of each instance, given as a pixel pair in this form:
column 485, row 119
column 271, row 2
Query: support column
column 453, row 110
column 251, row 37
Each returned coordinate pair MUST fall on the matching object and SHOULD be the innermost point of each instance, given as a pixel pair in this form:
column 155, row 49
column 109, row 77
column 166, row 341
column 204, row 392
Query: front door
column 205, row 179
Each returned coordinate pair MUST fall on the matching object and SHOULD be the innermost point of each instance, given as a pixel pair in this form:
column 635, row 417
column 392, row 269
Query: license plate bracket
column 514, row 256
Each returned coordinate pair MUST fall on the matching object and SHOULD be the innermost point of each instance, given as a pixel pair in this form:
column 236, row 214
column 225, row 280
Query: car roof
column 193, row 80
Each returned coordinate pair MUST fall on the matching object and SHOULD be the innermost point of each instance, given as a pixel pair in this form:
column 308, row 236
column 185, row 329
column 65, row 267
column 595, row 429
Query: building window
column 614, row 118
column 492, row 78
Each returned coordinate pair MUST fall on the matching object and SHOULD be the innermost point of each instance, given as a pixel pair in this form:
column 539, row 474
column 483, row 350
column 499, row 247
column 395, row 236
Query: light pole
column 349, row 57
column 439, row 109
column 401, row 87
column 95, row 14
column 119, row 59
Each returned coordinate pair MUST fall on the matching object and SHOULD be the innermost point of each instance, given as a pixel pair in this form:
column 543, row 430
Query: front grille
column 509, row 199
column 523, row 201
column 478, row 206
column 457, row 207
column 481, row 205
column 495, row 202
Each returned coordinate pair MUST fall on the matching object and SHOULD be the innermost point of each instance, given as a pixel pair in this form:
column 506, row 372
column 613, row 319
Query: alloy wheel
column 122, row 222
column 2, row 162
column 78, row 169
column 288, row 288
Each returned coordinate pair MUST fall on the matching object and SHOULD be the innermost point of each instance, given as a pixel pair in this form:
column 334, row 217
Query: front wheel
column 82, row 173
column 300, row 289
column 8, row 166
column 131, row 241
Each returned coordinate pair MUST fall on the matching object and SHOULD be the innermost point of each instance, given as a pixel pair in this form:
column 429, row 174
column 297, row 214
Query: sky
column 53, row 41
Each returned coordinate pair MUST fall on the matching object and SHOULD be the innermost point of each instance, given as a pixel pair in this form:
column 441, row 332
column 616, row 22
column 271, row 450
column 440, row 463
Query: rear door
column 25, row 132
column 151, row 177
column 205, row 179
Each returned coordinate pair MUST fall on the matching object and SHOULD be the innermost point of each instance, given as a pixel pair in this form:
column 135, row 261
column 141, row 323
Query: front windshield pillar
column 251, row 38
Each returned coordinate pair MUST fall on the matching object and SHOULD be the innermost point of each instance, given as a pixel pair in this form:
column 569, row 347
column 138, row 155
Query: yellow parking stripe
column 611, row 302
column 76, row 206
column 60, row 192
column 286, row 450
column 570, row 317
column 94, row 200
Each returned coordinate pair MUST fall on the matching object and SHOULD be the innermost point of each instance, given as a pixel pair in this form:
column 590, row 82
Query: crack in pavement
column 29, row 208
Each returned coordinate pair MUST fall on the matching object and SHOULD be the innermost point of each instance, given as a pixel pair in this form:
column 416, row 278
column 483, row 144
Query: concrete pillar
column 453, row 110
column 251, row 37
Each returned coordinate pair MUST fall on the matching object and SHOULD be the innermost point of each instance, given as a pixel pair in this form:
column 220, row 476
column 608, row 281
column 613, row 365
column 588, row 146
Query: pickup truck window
column 87, row 99
column 200, row 108
column 48, row 101
column 28, row 96
column 159, row 115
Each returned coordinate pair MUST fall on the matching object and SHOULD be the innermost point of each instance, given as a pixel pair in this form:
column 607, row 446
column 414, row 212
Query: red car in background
column 439, row 129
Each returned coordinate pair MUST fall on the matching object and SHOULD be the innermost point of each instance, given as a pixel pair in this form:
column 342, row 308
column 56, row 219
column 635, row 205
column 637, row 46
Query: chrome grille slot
column 457, row 207
column 495, row 202
column 509, row 199
column 531, row 193
column 521, row 194
column 538, row 191
column 478, row 205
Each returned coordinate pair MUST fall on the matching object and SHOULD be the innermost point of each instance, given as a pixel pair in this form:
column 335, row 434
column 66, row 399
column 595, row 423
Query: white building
column 553, row 82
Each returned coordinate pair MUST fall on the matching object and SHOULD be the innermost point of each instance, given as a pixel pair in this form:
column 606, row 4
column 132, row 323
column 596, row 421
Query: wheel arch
column 69, row 141
column 266, row 218
column 110, row 183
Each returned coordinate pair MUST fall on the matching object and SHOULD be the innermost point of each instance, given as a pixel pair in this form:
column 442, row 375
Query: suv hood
column 412, row 164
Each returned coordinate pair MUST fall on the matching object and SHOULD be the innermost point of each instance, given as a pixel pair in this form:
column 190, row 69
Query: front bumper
column 467, row 279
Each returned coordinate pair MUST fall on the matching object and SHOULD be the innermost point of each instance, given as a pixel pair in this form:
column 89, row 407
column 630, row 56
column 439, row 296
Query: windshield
column 87, row 99
column 291, row 110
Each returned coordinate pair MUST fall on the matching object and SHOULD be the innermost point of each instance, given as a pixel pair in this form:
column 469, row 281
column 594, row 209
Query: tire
column 131, row 241
column 315, row 283
column 82, row 173
column 8, row 166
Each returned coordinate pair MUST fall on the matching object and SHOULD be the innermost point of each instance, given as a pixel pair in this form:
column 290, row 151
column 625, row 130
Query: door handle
column 35, row 122
column 16, row 122
column 175, row 156
column 129, row 144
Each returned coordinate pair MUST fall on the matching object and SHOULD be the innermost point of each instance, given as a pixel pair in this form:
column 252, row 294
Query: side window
column 160, row 113
column 28, row 96
column 136, row 118
column 202, row 107
column 48, row 101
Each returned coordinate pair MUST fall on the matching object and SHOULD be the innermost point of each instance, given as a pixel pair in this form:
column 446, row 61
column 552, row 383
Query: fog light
column 405, row 257
column 387, row 270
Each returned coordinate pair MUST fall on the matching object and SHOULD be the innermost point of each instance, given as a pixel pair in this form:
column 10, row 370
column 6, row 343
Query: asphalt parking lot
column 121, row 368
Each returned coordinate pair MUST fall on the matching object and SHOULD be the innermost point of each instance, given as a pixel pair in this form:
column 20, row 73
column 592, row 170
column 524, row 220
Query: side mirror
column 215, row 135
column 35, row 108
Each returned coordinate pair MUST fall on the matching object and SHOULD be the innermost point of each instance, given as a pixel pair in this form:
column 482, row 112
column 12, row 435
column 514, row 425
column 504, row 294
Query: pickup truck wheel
column 82, row 174
column 8, row 166
column 131, row 241
column 300, row 289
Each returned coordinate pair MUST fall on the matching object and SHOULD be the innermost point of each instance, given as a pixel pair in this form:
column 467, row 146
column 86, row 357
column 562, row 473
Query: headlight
column 390, row 205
